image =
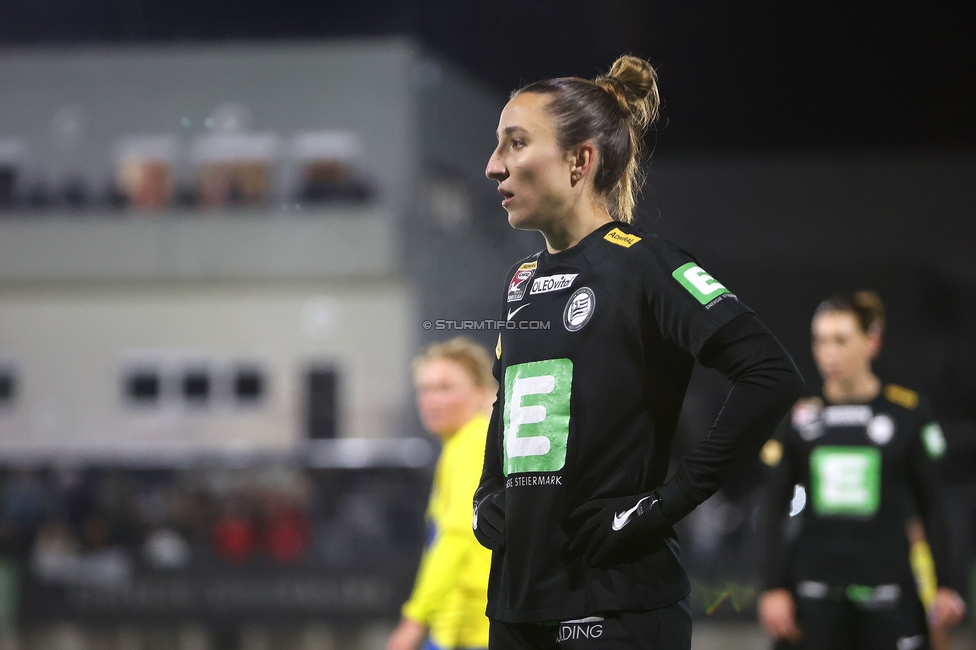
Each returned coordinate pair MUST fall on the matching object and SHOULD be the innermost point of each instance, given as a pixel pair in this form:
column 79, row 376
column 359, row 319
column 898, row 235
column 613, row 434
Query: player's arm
column 436, row 577
column 927, row 447
column 765, row 382
column 443, row 563
column 438, row 573
column 489, row 499
column 781, row 455
column 776, row 607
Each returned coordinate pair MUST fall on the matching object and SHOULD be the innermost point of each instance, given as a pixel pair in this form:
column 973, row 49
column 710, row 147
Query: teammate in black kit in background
column 865, row 454
column 573, row 499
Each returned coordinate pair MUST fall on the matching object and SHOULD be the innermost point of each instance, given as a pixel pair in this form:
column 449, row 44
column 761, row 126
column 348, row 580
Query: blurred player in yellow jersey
column 446, row 610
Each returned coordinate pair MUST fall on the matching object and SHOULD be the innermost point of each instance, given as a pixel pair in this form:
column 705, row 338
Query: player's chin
column 522, row 220
column 833, row 374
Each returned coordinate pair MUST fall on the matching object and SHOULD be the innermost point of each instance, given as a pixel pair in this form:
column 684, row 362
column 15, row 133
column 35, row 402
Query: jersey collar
column 582, row 243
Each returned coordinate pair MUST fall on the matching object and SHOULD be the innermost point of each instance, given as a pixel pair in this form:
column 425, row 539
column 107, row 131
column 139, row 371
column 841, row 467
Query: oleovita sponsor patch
column 553, row 283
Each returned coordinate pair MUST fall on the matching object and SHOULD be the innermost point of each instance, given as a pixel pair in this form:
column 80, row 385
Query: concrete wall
column 71, row 349
column 322, row 243
column 86, row 294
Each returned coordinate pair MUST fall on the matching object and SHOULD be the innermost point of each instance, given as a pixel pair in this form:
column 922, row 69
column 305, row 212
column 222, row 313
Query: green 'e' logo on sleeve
column 536, row 416
column 934, row 440
column 699, row 283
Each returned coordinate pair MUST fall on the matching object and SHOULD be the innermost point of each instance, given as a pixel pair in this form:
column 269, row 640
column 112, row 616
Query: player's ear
column 583, row 162
column 875, row 342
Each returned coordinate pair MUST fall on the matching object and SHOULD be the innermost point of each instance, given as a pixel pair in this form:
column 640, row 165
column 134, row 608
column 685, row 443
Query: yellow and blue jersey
column 450, row 594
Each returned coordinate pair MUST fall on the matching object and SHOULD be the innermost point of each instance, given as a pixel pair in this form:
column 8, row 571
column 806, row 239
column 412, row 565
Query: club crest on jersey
column 520, row 281
column 552, row 283
column 880, row 429
column 579, row 309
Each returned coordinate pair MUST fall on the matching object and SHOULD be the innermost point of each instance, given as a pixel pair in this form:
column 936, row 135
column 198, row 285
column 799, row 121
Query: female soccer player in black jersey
column 865, row 455
column 602, row 329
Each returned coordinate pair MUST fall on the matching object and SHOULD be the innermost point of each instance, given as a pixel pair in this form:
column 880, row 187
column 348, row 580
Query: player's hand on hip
column 489, row 520
column 777, row 615
column 948, row 608
column 606, row 528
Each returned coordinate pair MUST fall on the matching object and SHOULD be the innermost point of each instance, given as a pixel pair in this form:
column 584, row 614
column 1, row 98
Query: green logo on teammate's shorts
column 846, row 480
column 536, row 416
column 698, row 283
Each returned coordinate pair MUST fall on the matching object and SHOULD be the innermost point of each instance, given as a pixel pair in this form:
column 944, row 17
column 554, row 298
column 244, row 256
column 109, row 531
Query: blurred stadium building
column 214, row 261
column 179, row 217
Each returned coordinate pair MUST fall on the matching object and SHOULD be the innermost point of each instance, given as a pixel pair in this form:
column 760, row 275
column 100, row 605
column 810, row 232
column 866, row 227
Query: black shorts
column 839, row 624
column 668, row 628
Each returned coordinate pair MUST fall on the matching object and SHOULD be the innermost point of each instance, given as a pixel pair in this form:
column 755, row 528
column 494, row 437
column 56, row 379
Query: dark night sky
column 745, row 75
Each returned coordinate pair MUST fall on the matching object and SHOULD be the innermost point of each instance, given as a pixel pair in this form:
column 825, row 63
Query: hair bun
column 633, row 82
column 871, row 305
column 865, row 305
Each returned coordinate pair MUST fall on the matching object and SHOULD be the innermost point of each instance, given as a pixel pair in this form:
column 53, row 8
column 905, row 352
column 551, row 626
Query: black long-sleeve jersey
column 592, row 370
column 865, row 468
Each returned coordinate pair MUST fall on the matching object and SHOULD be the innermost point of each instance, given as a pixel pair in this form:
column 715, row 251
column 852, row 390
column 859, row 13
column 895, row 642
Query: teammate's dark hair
column 614, row 111
column 866, row 306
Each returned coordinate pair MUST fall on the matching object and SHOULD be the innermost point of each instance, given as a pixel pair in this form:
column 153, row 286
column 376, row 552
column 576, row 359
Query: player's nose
column 496, row 168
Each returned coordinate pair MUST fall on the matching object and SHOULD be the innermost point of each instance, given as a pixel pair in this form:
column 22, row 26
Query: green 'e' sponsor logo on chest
column 699, row 283
column 536, row 415
column 846, row 480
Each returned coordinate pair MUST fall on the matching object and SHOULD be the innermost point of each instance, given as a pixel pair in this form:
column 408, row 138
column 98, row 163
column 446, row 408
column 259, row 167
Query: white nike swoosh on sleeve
column 621, row 519
column 512, row 313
